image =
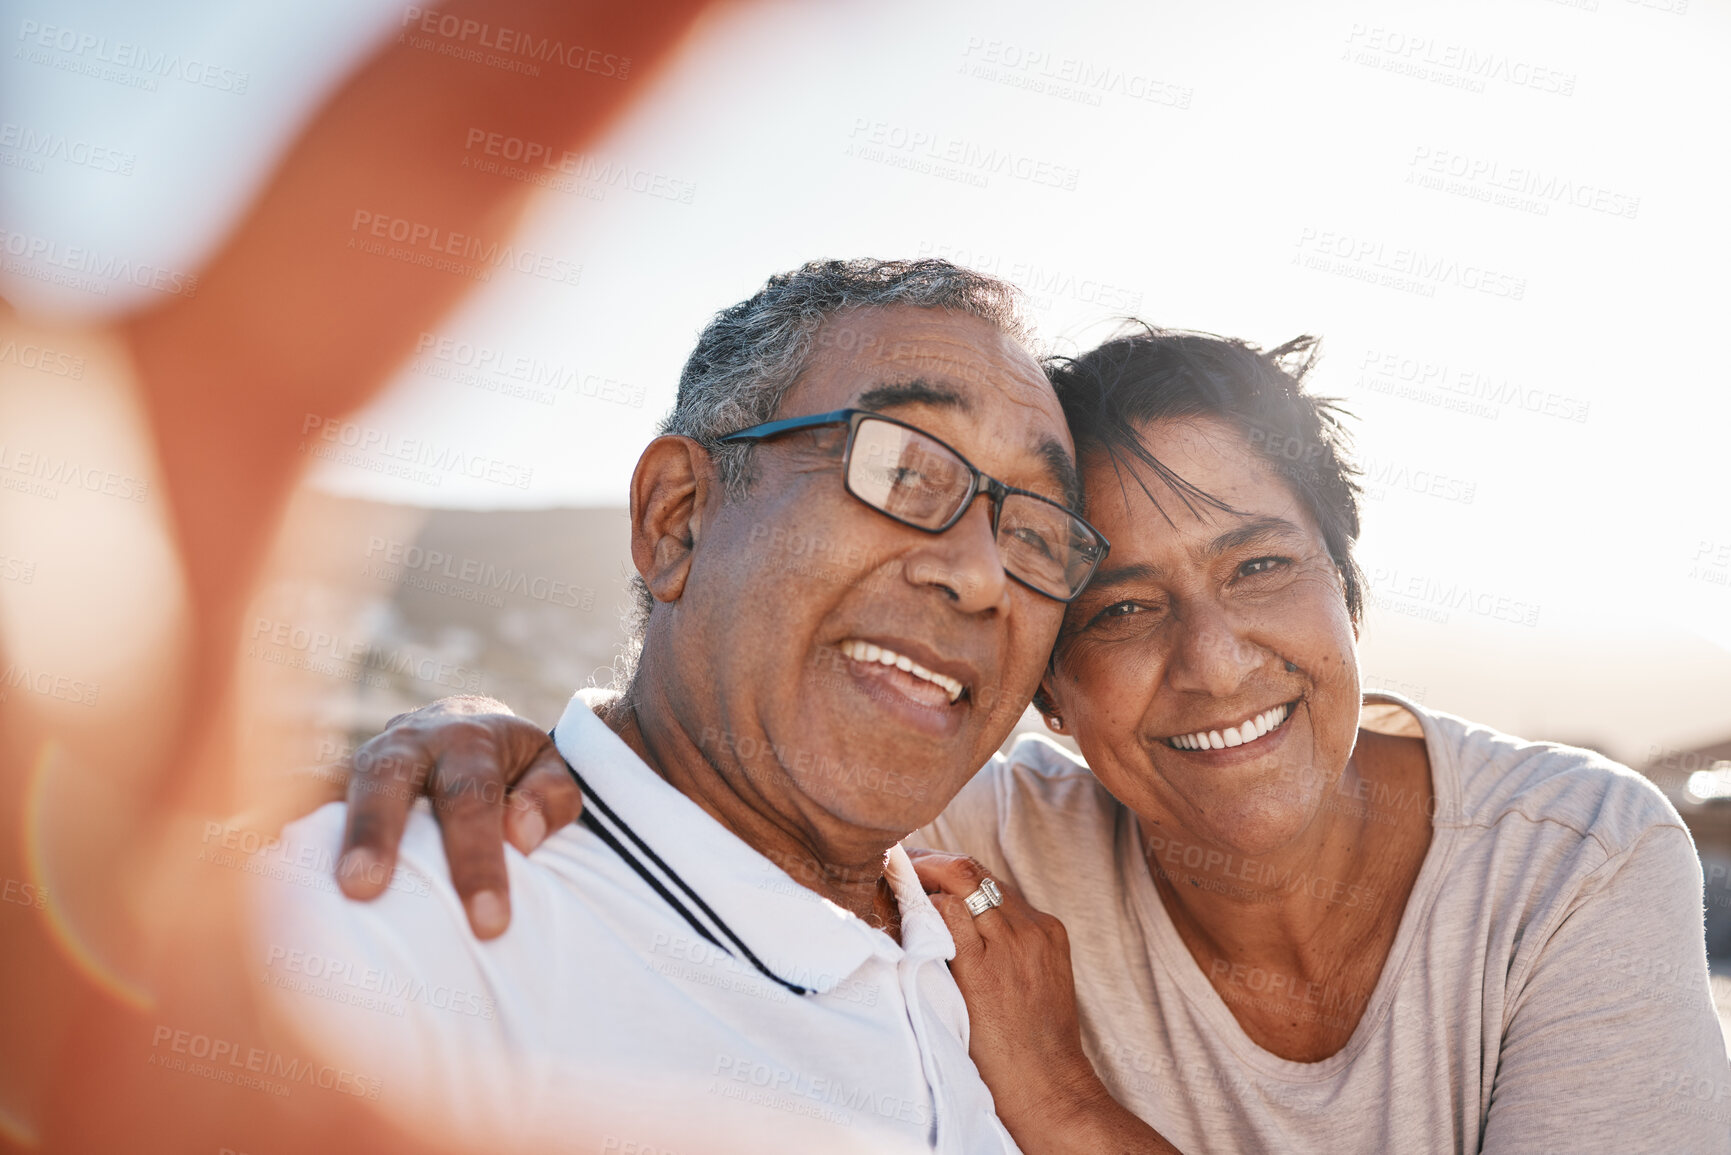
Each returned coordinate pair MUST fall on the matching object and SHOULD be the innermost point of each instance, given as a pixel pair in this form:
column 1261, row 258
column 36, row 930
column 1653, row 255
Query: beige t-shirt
column 1546, row 991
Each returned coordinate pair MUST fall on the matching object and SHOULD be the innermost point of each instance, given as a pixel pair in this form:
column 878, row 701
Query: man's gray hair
column 751, row 354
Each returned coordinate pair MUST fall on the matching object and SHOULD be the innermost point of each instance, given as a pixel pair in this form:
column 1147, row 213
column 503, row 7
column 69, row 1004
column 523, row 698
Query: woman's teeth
column 1243, row 735
column 867, row 652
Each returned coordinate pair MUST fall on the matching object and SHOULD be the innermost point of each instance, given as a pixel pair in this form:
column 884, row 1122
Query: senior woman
column 1302, row 920
column 1299, row 917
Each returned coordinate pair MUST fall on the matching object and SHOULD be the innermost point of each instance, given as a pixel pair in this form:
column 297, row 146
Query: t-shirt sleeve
column 1612, row 1043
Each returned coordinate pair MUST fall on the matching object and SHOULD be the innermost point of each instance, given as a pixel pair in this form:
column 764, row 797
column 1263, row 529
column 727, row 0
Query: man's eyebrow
column 1256, row 529
column 916, row 392
column 919, row 392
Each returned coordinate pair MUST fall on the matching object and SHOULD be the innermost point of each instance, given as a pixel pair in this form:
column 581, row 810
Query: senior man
column 731, row 951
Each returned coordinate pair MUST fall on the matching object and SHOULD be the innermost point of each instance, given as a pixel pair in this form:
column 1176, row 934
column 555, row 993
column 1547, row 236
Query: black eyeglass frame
column 978, row 483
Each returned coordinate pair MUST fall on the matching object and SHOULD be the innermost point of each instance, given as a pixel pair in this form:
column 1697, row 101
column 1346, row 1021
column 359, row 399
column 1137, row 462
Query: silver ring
column 985, row 898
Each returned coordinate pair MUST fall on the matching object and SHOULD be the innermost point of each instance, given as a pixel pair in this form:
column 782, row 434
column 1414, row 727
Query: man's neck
column 843, row 863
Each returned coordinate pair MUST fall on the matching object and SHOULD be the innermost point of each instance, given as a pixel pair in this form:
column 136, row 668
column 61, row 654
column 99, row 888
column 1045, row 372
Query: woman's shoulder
column 1504, row 781
column 1037, row 788
column 1045, row 775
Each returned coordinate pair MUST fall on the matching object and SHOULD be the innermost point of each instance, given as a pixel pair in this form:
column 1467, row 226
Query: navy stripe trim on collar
column 594, row 825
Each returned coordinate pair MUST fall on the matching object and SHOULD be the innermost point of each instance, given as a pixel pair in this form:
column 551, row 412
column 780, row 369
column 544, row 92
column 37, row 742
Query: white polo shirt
column 663, row 988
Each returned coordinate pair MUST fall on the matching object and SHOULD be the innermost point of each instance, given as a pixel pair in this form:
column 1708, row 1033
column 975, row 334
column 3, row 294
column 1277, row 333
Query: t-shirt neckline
column 1170, row 952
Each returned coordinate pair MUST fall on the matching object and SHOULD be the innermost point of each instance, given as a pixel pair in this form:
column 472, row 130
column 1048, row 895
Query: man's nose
column 963, row 561
column 1212, row 655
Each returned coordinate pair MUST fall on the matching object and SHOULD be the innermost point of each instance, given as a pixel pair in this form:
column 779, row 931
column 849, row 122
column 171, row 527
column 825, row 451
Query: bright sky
column 1506, row 219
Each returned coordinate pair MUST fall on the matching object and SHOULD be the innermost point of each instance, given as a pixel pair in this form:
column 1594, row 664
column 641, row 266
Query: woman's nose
column 1213, row 656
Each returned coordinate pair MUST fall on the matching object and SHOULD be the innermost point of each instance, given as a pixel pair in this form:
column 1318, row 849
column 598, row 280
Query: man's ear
column 670, row 494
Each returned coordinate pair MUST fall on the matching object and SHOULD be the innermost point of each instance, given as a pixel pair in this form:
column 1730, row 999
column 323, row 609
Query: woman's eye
column 1118, row 610
column 1261, row 565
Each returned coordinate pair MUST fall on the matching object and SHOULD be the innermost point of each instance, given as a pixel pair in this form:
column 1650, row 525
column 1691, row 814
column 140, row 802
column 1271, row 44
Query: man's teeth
column 867, row 652
column 1249, row 732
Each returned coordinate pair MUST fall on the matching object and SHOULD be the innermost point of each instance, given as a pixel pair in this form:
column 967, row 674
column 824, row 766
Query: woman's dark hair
column 1151, row 374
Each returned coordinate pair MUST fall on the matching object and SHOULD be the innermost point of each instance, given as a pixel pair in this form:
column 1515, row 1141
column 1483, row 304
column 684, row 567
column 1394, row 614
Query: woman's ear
column 1048, row 708
column 670, row 493
column 1357, row 619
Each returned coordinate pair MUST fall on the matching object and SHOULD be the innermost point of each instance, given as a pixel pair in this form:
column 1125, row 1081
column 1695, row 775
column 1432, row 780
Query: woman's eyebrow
column 1256, row 529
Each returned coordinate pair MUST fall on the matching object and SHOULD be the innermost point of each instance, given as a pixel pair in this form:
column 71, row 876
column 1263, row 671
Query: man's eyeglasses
column 911, row 476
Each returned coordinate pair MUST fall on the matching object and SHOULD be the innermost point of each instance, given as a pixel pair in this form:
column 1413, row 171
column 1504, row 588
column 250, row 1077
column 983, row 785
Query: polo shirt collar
column 800, row 936
column 925, row 935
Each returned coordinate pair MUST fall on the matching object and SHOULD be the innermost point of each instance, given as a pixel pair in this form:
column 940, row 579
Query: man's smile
column 922, row 683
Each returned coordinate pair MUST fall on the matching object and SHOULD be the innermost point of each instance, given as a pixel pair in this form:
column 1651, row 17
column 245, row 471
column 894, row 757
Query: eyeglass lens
column 915, row 479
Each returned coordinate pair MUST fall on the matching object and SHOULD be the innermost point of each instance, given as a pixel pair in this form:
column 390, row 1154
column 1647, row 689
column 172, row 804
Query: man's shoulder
column 393, row 987
column 563, row 899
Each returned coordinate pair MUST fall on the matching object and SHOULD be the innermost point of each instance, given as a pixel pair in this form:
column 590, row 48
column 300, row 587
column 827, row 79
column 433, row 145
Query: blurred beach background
column 1505, row 220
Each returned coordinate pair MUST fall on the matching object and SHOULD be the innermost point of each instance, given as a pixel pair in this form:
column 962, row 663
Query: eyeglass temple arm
column 759, row 432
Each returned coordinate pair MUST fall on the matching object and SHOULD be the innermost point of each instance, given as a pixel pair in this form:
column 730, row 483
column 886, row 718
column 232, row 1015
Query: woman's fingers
column 1012, row 966
column 970, row 944
column 950, row 879
column 945, row 873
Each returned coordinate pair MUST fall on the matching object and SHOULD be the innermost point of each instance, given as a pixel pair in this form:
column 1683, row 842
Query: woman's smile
column 1253, row 729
